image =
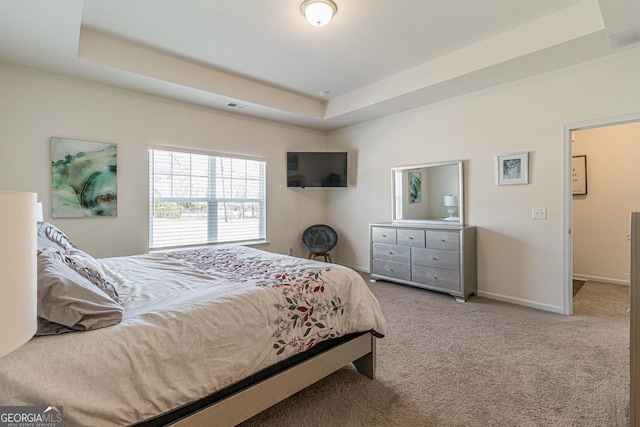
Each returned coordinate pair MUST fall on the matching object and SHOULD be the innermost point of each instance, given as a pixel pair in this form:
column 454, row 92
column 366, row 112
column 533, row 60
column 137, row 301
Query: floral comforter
column 195, row 321
column 310, row 308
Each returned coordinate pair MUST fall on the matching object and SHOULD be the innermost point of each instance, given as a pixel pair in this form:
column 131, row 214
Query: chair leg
column 326, row 256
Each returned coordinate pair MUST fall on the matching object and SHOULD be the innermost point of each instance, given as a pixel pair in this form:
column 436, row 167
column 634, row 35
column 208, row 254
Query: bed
column 217, row 333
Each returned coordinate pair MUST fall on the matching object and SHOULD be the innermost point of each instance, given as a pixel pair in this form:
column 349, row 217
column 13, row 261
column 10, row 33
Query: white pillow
column 69, row 300
column 87, row 261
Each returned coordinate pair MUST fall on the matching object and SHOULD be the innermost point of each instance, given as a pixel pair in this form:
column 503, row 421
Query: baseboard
column 490, row 295
column 600, row 279
column 518, row 301
column 357, row 268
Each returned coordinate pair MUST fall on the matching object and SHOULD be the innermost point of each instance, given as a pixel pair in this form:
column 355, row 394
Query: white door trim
column 567, row 199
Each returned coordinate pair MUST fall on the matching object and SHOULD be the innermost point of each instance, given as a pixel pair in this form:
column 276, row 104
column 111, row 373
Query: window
column 197, row 199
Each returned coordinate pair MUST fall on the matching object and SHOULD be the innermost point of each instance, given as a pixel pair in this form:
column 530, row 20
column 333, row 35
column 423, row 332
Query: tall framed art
column 579, row 175
column 83, row 178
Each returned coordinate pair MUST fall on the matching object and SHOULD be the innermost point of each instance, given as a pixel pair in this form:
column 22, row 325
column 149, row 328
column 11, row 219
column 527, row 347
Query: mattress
column 195, row 322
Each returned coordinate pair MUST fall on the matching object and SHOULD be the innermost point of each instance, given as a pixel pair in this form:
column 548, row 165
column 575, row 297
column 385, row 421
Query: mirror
column 428, row 193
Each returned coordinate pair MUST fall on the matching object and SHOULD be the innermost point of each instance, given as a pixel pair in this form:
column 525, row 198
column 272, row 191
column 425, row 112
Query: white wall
column 519, row 259
column 601, row 217
column 35, row 106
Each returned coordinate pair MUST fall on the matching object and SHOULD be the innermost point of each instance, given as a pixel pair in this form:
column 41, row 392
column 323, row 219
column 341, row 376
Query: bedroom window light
column 197, row 199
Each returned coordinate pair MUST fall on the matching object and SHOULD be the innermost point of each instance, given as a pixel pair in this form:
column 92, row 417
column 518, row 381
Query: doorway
column 599, row 218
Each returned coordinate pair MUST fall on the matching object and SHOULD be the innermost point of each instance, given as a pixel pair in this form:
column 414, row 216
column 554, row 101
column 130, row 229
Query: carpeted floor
column 481, row 363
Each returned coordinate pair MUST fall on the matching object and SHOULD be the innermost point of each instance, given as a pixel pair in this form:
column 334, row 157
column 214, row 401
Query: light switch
column 539, row 213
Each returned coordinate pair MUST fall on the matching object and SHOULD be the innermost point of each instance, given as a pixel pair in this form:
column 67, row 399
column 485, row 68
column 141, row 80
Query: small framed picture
column 579, row 175
column 512, row 168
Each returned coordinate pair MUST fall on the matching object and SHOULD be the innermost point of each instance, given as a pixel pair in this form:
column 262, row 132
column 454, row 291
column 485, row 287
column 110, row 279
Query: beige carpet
column 481, row 363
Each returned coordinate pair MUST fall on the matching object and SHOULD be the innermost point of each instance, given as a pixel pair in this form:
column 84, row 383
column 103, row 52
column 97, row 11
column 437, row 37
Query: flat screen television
column 316, row 169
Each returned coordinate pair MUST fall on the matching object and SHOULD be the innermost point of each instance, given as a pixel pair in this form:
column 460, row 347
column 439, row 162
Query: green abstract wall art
column 415, row 187
column 83, row 179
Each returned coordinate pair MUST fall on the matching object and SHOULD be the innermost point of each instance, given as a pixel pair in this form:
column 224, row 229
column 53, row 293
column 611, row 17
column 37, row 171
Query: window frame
column 212, row 202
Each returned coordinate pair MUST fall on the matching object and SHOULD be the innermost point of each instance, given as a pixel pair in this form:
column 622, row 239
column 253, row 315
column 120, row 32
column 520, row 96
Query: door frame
column 567, row 199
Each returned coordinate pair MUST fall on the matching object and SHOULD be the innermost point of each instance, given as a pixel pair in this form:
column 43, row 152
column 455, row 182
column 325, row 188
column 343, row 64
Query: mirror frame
column 458, row 163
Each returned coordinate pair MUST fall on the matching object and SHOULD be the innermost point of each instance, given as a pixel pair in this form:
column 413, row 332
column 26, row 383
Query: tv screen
column 315, row 169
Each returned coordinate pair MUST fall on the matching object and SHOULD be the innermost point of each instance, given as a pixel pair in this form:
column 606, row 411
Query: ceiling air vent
column 236, row 105
column 624, row 38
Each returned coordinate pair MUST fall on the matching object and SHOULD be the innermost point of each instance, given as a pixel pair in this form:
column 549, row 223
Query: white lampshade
column 318, row 12
column 18, row 264
column 451, row 200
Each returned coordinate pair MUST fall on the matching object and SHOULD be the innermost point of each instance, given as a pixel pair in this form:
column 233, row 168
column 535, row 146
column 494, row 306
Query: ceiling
column 376, row 57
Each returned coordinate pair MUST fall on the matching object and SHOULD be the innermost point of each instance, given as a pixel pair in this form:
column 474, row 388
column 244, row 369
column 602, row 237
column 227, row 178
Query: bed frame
column 243, row 400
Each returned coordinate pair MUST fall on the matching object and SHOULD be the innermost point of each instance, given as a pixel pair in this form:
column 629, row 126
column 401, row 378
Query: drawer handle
column 410, row 238
column 434, row 258
column 435, row 277
column 384, row 235
column 443, row 240
column 390, row 253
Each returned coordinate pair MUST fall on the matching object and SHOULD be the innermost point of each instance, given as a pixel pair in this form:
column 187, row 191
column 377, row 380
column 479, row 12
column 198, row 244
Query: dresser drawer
column 447, row 240
column 449, row 260
column 395, row 270
column 437, row 277
column 409, row 237
column 392, row 252
column 383, row 235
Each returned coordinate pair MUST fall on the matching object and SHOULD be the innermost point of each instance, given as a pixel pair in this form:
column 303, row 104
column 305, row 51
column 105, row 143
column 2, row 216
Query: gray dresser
column 439, row 258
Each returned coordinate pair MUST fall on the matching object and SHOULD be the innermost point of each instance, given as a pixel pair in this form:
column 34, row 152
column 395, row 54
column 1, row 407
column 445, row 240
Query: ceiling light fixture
column 318, row 12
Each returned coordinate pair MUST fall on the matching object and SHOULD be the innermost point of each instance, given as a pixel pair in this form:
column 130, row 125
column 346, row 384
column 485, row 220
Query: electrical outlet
column 539, row 213
column 291, row 251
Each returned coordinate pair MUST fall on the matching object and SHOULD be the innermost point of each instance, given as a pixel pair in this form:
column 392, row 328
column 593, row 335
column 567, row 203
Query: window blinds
column 196, row 199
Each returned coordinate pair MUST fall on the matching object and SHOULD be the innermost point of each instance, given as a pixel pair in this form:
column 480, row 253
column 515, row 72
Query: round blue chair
column 319, row 239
